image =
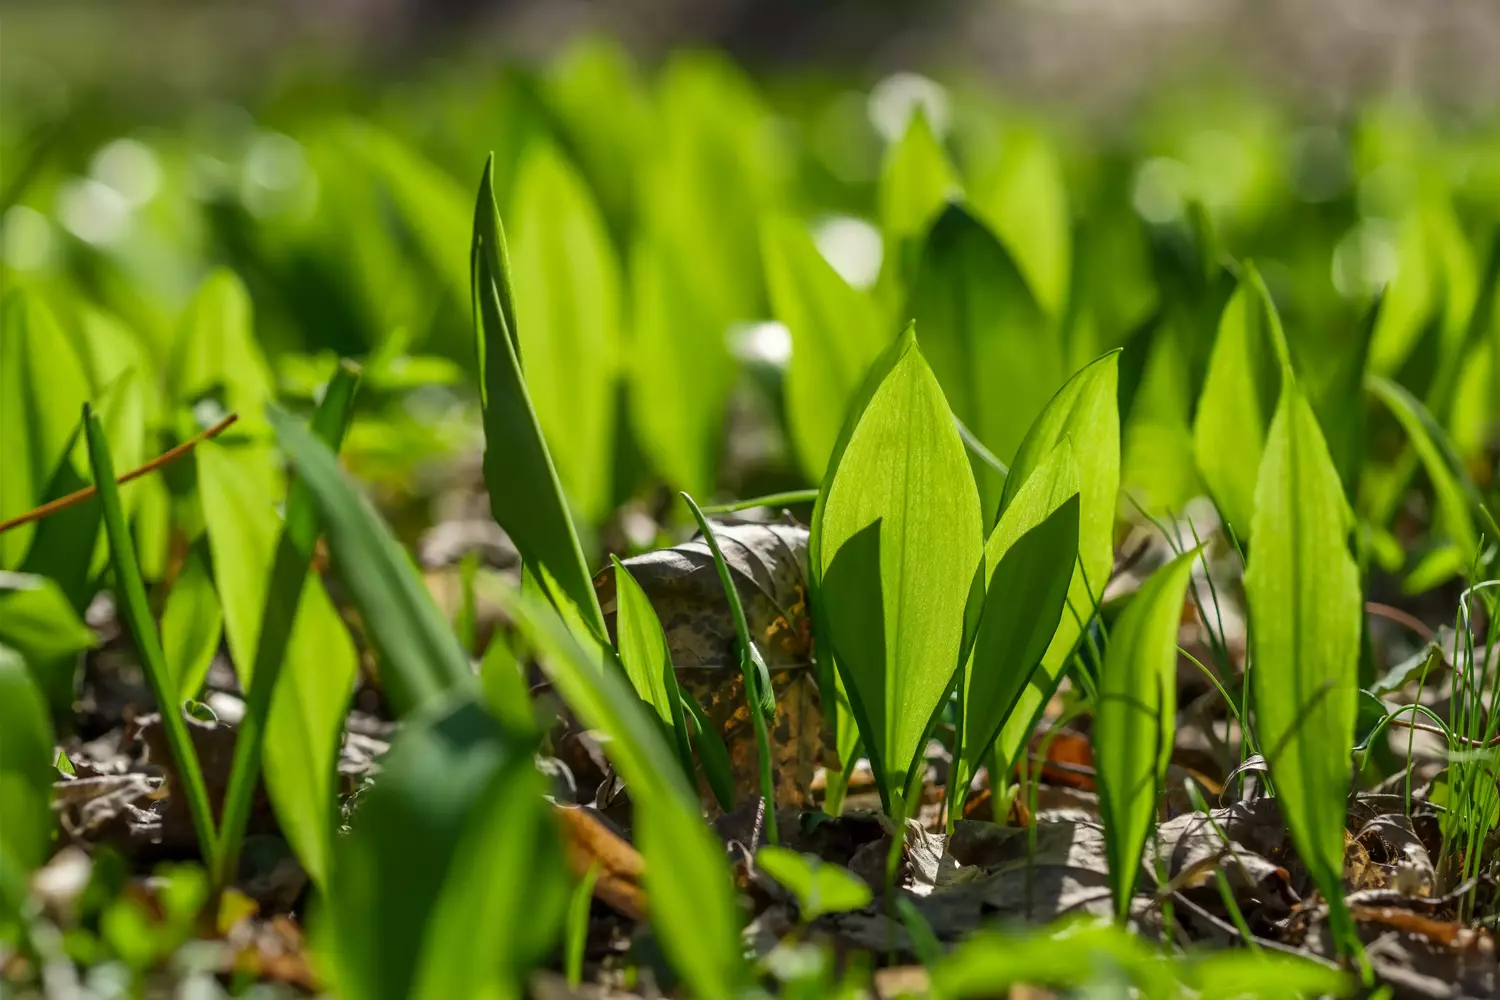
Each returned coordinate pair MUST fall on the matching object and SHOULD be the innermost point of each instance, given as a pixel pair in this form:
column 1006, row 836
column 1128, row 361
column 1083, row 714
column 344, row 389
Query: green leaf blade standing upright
column 899, row 544
column 1304, row 595
column 526, row 496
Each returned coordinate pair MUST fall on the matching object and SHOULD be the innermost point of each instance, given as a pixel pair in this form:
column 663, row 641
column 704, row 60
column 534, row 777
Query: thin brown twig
column 1423, row 727
column 1400, row 618
column 79, row 496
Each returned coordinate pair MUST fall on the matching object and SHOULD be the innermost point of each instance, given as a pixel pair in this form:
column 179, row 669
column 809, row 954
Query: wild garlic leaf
column 1022, row 193
column 818, row 886
column 642, row 647
column 191, row 625
column 900, row 545
column 1135, row 720
column 26, row 776
column 1028, row 564
column 1086, row 411
column 916, row 180
column 837, row 333
column 568, row 293
column 1303, row 590
column 1239, row 395
column 996, row 355
column 526, row 497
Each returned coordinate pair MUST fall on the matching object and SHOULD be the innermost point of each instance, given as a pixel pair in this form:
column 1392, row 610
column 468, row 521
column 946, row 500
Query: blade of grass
column 294, row 554
column 755, row 694
column 136, row 611
column 769, row 500
column 577, row 928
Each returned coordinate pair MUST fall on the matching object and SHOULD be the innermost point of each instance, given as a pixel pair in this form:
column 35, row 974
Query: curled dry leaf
column 769, row 563
column 587, row 842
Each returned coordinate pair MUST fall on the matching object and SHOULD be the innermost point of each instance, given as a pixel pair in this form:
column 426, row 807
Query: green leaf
column 216, row 351
column 1459, row 502
column 1028, row 563
column 1239, row 395
column 1085, row 411
column 1068, row 955
column 994, row 352
column 419, row 655
column 135, row 611
column 1136, row 719
column 1024, row 196
column 1303, row 591
column 597, row 72
column 916, row 180
column 502, row 680
column 303, row 729
column 38, row 623
column 567, row 283
column 26, row 777
column 680, row 368
column 525, row 495
column 1236, row 974
column 687, row 880
column 836, row 335
column 819, row 887
column 191, row 626
column 643, row 651
column 713, row 755
column 899, row 543
column 42, row 385
column 577, row 926
column 444, row 846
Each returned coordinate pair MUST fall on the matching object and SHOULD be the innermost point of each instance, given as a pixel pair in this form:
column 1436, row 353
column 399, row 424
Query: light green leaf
column 525, row 495
column 900, row 544
column 993, row 351
column 216, row 350
column 836, row 335
column 445, row 844
column 42, row 385
column 592, row 73
column 1238, row 974
column 1136, row 719
column 303, row 729
column 502, row 680
column 643, row 651
column 1239, row 395
column 916, row 180
column 818, row 886
column 38, row 623
column 191, row 626
column 1459, row 502
column 687, row 879
column 680, row 369
column 1024, row 196
column 1028, row 564
column 26, row 776
column 1305, row 608
column 1086, row 411
column 568, row 298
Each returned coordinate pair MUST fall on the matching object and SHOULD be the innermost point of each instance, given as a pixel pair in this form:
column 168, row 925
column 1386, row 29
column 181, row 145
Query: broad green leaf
column 836, row 335
column 680, row 369
column 643, row 652
column 567, row 283
column 525, row 495
column 216, row 351
column 502, row 680
column 419, row 655
column 900, row 543
column 1136, row 719
column 38, row 622
column 1028, row 564
column 590, row 74
column 135, row 612
column 1024, row 196
column 191, row 626
column 1069, row 955
column 1240, row 974
column 1086, row 411
column 1305, row 610
column 26, row 777
column 42, row 385
column 916, row 180
column 993, row 351
column 303, row 729
column 444, row 847
column 1459, row 502
column 1239, row 396
column 687, row 880
column 819, row 887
